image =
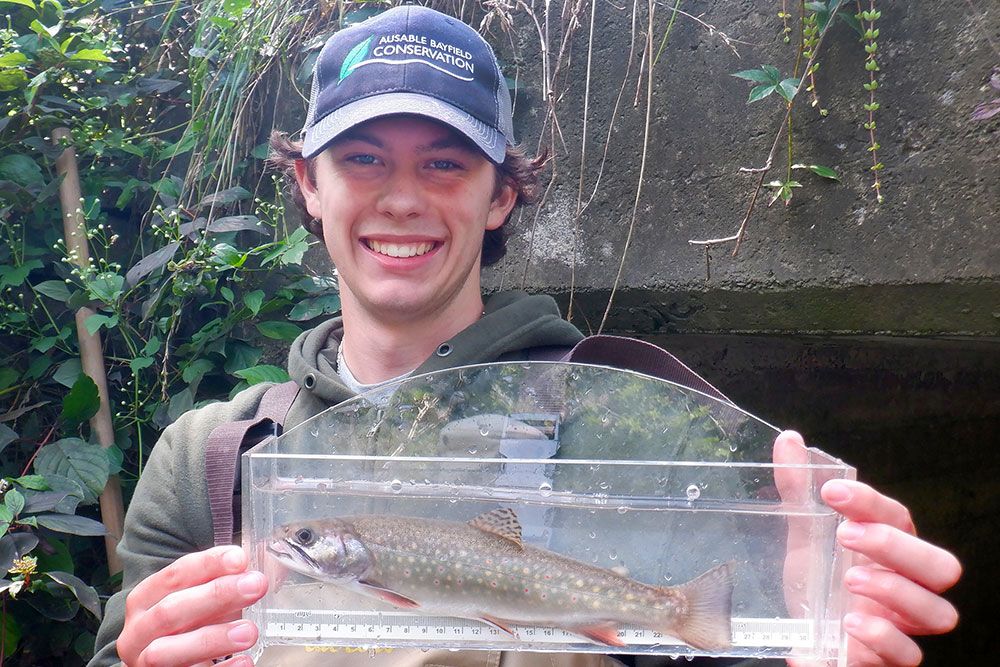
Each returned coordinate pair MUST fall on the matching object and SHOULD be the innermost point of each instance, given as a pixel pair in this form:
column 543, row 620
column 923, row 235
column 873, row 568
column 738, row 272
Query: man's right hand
column 188, row 613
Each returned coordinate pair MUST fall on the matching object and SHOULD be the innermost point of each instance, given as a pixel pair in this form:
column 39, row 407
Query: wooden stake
column 91, row 352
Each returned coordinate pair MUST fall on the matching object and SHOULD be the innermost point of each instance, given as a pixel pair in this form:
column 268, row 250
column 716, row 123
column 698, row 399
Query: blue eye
column 363, row 159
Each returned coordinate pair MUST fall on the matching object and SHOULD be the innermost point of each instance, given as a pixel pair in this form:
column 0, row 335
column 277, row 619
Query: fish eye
column 305, row 537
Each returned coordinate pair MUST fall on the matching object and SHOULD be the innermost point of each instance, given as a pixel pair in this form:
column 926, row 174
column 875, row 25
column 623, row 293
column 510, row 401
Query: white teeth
column 400, row 249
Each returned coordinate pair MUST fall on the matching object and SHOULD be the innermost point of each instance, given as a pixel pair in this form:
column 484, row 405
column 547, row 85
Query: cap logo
column 354, row 56
column 404, row 49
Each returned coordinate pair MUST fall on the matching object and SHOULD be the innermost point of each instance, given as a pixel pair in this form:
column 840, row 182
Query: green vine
column 867, row 19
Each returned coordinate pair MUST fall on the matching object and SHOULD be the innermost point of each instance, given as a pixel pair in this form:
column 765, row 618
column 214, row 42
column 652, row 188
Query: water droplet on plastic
column 298, row 479
column 473, row 450
column 321, row 486
column 604, row 419
column 593, row 535
column 545, row 489
column 661, row 480
column 396, row 486
column 732, row 448
column 603, row 485
column 484, row 431
column 613, row 555
column 314, row 431
column 693, row 492
column 622, row 510
column 668, row 577
column 371, row 653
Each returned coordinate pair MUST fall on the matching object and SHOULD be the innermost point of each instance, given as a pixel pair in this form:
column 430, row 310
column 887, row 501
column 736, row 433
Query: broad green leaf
column 309, row 308
column 84, row 593
column 68, row 372
column 223, row 197
column 71, row 523
column 11, row 79
column 788, row 88
column 772, row 72
column 183, row 145
column 8, row 376
column 26, row 3
column 115, row 459
column 54, row 289
column 14, row 276
column 240, row 355
column 77, row 461
column 73, row 494
column 106, row 287
column 760, row 92
column 140, row 363
column 279, row 330
column 43, row 501
column 82, row 401
column 825, row 172
column 263, row 373
column 151, row 262
column 254, row 300
column 13, row 59
column 91, row 54
column 94, row 322
column 152, row 346
column 14, row 501
column 44, row 344
column 180, row 403
column 195, row 370
column 226, row 255
column 33, row 482
column 758, row 75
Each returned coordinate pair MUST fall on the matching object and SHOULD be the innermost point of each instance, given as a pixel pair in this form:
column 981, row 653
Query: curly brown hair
column 518, row 170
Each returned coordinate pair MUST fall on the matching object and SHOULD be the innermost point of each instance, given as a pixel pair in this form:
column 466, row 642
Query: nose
column 402, row 196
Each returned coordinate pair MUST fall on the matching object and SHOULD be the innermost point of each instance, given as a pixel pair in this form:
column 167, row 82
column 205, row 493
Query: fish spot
column 596, row 589
column 574, row 598
column 437, row 582
column 545, row 596
column 579, row 583
column 527, row 590
column 493, row 584
column 526, row 570
column 406, row 572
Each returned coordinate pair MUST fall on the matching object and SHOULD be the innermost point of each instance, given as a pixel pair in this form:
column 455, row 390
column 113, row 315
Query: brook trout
column 481, row 570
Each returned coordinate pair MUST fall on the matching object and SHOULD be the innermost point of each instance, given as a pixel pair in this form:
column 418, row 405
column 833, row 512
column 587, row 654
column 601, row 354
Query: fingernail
column 241, row 634
column 852, row 621
column 233, row 559
column 850, row 531
column 857, row 576
column 250, row 584
column 837, row 493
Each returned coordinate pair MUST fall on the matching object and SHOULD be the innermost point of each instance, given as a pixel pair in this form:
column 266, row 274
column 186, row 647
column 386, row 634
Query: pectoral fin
column 498, row 624
column 604, row 633
column 392, row 597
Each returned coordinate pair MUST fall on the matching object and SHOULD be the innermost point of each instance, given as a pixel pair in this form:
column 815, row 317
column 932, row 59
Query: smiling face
column 404, row 203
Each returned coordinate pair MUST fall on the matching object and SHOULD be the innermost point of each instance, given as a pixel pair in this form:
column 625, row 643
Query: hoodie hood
column 513, row 323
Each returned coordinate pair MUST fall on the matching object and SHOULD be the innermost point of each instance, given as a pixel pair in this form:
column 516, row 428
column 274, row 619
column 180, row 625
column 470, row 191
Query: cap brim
column 489, row 140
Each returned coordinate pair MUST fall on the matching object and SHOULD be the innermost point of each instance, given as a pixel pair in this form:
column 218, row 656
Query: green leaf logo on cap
column 354, row 57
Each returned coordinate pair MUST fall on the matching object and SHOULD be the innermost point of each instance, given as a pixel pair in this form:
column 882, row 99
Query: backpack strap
column 634, row 355
column 222, row 452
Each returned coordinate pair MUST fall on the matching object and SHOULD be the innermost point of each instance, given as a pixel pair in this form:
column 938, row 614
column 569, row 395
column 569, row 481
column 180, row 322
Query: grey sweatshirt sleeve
column 169, row 514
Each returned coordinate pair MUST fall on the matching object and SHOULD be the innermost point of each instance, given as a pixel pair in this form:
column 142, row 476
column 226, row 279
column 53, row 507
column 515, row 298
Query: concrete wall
column 925, row 262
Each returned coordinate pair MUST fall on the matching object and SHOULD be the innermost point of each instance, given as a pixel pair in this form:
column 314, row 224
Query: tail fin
column 709, row 599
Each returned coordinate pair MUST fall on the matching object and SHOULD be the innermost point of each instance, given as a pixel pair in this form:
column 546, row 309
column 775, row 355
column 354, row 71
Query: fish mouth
column 286, row 551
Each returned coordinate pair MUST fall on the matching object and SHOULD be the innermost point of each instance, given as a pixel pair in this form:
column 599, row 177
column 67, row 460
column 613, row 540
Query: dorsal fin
column 501, row 522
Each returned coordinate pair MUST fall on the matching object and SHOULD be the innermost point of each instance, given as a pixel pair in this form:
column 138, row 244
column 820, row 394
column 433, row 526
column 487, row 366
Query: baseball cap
column 413, row 60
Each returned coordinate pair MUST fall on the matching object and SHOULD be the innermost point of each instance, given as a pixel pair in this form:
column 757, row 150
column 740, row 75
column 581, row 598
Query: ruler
column 388, row 627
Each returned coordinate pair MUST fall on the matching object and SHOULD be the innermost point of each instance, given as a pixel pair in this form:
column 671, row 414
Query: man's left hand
column 896, row 580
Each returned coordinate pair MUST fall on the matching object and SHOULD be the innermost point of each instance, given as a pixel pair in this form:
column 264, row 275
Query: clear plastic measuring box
column 634, row 479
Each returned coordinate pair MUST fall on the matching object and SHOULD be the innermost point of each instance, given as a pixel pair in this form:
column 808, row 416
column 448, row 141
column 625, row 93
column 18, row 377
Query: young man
column 409, row 172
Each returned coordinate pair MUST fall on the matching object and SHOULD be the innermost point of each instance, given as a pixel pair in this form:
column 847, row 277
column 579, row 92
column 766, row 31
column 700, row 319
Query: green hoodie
column 169, row 514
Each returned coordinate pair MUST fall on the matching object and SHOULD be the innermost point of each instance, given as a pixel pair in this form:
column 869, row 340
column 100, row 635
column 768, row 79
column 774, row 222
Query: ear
column 308, row 188
column 501, row 206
